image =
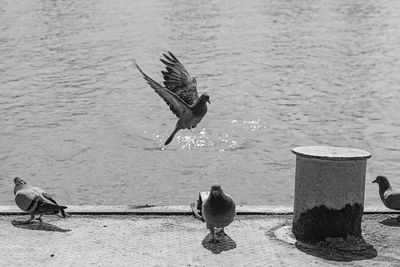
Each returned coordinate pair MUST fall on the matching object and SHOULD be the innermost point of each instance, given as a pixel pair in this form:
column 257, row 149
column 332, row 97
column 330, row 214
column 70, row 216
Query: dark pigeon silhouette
column 35, row 201
column 218, row 210
column 389, row 197
column 180, row 93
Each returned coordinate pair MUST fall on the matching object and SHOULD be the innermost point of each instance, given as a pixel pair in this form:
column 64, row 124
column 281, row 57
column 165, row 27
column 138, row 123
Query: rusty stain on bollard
column 329, row 192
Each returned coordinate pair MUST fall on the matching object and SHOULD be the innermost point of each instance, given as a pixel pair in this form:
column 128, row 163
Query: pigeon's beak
column 374, row 181
column 208, row 100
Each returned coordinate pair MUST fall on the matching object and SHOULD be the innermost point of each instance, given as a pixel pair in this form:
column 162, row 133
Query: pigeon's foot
column 215, row 240
column 221, row 232
column 212, row 231
column 39, row 218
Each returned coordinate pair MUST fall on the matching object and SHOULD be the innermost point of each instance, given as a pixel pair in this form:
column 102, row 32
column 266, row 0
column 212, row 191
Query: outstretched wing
column 176, row 104
column 178, row 80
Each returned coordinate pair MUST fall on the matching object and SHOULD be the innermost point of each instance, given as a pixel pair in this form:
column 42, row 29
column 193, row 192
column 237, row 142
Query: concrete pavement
column 181, row 240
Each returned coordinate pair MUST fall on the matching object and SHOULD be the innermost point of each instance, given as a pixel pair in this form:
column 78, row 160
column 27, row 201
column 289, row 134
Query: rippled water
column 79, row 121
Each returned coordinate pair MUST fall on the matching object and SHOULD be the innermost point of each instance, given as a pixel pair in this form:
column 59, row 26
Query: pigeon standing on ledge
column 34, row 200
column 180, row 93
column 218, row 210
column 390, row 197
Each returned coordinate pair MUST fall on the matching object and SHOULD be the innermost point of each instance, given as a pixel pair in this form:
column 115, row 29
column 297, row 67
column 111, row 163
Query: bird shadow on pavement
column 339, row 250
column 391, row 221
column 225, row 243
column 37, row 225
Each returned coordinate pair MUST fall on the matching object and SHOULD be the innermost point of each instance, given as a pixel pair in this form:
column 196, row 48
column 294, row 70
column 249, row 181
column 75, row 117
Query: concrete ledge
column 177, row 210
column 153, row 210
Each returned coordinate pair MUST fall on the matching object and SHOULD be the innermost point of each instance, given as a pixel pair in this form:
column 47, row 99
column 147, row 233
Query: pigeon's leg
column 213, row 239
column 39, row 218
column 221, row 231
column 212, row 230
column 28, row 221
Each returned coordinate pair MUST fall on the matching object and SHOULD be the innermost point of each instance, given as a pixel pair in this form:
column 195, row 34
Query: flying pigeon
column 218, row 210
column 180, row 93
column 390, row 197
column 34, row 200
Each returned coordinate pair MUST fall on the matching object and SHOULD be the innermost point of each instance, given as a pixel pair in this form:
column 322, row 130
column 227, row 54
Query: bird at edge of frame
column 35, row 201
column 180, row 94
column 389, row 196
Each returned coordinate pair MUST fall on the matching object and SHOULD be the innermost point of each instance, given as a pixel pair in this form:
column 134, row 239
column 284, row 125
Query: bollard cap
column 331, row 152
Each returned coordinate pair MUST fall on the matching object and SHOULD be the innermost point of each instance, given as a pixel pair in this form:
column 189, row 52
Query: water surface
column 79, row 121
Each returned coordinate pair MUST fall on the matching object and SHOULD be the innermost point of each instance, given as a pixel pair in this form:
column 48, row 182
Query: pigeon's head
column 18, row 181
column 205, row 97
column 382, row 181
column 216, row 190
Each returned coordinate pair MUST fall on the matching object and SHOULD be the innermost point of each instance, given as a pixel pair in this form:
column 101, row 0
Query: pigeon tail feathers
column 171, row 136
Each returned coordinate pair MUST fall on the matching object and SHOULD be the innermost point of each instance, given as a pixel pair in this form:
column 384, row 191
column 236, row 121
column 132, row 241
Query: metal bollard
column 329, row 192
